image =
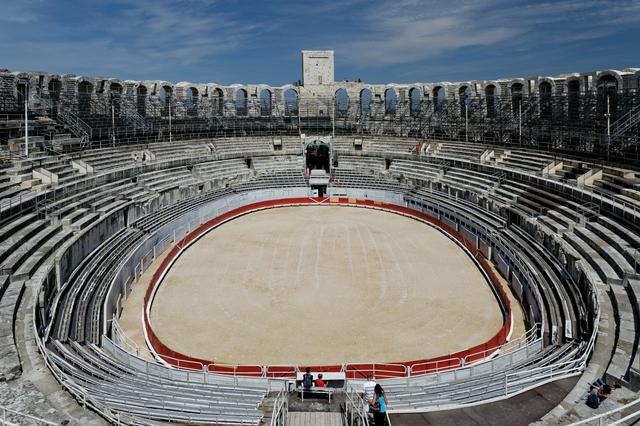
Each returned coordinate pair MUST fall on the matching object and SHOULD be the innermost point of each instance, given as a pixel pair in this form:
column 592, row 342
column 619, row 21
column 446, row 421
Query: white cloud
column 412, row 30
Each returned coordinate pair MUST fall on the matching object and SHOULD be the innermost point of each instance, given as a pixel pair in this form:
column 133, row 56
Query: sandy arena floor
column 323, row 285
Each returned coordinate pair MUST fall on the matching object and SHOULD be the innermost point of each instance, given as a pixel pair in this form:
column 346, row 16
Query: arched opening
column 607, row 89
column 115, row 94
column 516, row 98
column 217, row 101
column 365, row 101
column 342, row 102
column 490, row 99
column 141, row 100
column 317, row 156
column 415, row 101
column 84, row 97
column 241, row 102
column 573, row 99
column 191, row 101
column 166, row 94
column 438, row 97
column 546, row 110
column 54, row 88
column 466, row 95
column 22, row 92
column 390, row 101
column 290, row 102
column 265, row 102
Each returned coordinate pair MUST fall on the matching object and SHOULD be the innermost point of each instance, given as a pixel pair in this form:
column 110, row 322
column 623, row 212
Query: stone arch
column 607, row 87
column 573, row 98
column 517, row 93
column 115, row 87
column 240, row 98
column 519, row 83
column 290, row 100
column 266, row 101
column 85, row 92
column 490, row 95
column 390, row 100
column 216, row 97
column 141, row 99
column 615, row 74
column 366, row 97
column 415, row 100
column 465, row 94
column 341, row 100
column 54, row 86
column 545, row 91
column 165, row 96
column 191, row 96
column 439, row 96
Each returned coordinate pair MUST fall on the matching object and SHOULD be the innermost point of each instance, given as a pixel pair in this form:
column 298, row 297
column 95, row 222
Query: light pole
column 466, row 120
column 26, row 118
column 113, row 125
column 333, row 117
column 170, row 136
column 608, row 115
column 520, row 122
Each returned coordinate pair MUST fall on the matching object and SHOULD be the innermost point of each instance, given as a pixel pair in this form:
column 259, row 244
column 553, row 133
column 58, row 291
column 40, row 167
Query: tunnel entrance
column 317, row 155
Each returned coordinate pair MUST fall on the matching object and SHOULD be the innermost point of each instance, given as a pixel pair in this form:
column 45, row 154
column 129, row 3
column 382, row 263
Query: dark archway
column 241, row 102
column 415, row 101
column 607, row 90
column 115, row 95
column 365, row 101
column 217, row 101
column 390, row 101
column 466, row 95
column 55, row 89
column 490, row 99
column 516, row 99
column 546, row 108
column 438, row 97
column 317, row 156
column 166, row 95
column 141, row 100
column 84, row 97
column 290, row 97
column 265, row 102
column 573, row 100
column 342, row 102
column 191, row 101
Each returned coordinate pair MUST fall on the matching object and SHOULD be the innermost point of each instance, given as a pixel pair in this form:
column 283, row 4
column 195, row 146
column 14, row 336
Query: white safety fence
column 623, row 415
column 9, row 417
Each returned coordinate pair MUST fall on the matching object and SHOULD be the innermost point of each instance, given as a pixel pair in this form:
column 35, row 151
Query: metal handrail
column 5, row 410
column 280, row 409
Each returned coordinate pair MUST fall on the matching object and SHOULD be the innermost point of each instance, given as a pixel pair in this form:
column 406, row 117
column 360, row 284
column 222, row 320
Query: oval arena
column 181, row 253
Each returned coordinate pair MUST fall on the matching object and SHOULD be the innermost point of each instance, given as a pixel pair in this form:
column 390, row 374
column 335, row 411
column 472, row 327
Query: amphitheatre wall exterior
column 150, row 96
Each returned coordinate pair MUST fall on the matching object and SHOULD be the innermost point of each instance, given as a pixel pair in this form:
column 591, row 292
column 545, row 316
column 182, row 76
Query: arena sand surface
column 323, row 285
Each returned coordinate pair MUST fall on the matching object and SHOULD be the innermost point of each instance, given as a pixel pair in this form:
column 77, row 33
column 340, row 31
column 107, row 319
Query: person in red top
column 319, row 382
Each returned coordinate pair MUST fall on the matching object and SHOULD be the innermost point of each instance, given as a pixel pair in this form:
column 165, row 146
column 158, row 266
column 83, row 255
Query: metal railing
column 7, row 413
column 280, row 409
column 355, row 413
column 632, row 410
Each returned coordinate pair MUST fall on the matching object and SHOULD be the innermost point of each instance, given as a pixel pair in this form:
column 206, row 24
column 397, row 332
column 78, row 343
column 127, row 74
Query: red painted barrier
column 357, row 370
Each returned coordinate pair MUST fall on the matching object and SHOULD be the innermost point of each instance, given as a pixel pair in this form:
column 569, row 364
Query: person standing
column 379, row 405
column 368, row 390
column 307, row 379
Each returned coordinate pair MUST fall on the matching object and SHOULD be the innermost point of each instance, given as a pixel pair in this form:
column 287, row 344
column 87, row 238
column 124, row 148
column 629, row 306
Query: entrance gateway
column 317, row 162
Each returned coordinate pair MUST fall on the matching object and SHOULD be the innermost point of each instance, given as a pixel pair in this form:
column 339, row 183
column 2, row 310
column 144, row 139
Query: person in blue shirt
column 379, row 405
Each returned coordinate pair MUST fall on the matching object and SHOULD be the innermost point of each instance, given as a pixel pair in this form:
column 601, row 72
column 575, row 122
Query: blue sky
column 246, row 41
